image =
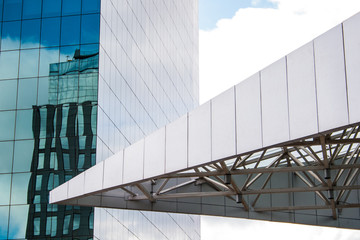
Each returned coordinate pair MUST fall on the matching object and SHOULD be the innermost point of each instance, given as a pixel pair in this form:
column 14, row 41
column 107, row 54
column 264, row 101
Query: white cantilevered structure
column 283, row 145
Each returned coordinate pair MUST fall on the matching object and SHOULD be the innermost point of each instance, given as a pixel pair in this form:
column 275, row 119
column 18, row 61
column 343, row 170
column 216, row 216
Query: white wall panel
column 302, row 92
column 76, row 186
column 113, row 170
column 330, row 79
column 223, row 125
column 176, row 144
column 274, row 100
column 352, row 58
column 94, row 178
column 154, row 162
column 59, row 193
column 248, row 114
column 134, row 162
column 200, row 135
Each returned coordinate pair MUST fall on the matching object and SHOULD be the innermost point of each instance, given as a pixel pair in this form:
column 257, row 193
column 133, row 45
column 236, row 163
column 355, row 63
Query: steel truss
column 326, row 165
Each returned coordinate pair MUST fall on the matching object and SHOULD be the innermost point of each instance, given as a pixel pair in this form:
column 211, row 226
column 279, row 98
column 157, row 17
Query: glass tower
column 80, row 80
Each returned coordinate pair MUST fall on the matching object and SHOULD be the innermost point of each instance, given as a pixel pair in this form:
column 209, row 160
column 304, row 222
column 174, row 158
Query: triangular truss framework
column 327, row 165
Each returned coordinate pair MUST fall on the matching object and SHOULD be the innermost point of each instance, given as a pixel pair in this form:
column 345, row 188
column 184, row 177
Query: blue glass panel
column 27, row 92
column 51, row 8
column 70, row 30
column 29, row 63
column 8, row 94
column 31, row 9
column 50, row 32
column 12, row 10
column 30, row 34
column 9, row 62
column 7, row 124
column 91, row 6
column 71, row 7
column 67, row 54
column 90, row 25
column 6, row 156
column 47, row 56
column 18, row 221
column 4, row 211
column 23, row 155
column 5, row 180
column 43, row 91
column 24, row 124
column 10, row 35
column 1, row 11
column 19, row 188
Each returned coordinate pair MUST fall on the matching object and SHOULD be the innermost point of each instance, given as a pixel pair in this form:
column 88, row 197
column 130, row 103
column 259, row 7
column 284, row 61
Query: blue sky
column 210, row 11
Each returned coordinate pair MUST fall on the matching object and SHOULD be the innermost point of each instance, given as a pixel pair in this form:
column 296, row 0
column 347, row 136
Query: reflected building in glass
column 80, row 80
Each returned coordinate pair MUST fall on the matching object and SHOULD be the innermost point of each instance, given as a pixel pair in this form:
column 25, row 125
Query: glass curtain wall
column 48, row 110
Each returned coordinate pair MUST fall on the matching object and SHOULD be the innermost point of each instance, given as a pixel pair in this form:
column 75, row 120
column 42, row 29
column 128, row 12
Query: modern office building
column 282, row 145
column 79, row 81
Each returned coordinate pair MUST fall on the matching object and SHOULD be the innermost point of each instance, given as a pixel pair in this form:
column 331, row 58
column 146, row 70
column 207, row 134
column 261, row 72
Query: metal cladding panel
column 113, row 170
column 274, row 100
column 94, row 178
column 154, row 156
column 59, row 193
column 134, row 162
column 200, row 135
column 352, row 59
column 76, row 186
column 248, row 114
column 330, row 79
column 223, row 125
column 302, row 92
column 176, row 144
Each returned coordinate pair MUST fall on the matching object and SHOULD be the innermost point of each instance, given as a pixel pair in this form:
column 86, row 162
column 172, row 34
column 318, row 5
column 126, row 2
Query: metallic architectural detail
column 326, row 165
column 279, row 146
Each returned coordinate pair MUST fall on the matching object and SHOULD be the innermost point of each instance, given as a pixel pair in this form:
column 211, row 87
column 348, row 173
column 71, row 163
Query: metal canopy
column 283, row 145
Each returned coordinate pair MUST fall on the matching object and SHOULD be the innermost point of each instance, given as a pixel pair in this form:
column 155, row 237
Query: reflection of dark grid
column 46, row 220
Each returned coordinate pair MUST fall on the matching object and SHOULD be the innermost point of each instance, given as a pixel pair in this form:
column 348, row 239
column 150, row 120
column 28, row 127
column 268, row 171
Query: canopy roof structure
column 282, row 145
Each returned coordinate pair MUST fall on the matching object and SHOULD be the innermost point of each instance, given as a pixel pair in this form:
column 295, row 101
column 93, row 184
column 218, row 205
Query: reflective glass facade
column 72, row 94
column 148, row 77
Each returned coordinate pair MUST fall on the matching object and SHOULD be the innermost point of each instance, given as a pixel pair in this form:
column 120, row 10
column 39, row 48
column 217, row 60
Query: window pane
column 71, row 7
column 18, row 221
column 9, row 62
column 30, row 34
column 5, row 182
column 66, row 224
column 7, row 124
column 50, row 32
column 4, row 213
column 12, row 10
column 76, row 223
column 36, row 226
column 51, row 8
column 31, row 9
column 19, row 188
column 43, row 94
column 91, row 6
column 23, row 155
column 6, row 156
column 70, row 30
column 10, row 35
column 24, row 124
column 27, row 91
column 8, row 94
column 29, row 63
column 90, row 25
column 47, row 56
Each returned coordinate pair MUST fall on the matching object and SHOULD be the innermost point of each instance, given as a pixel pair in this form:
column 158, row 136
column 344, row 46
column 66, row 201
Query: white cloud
column 256, row 37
